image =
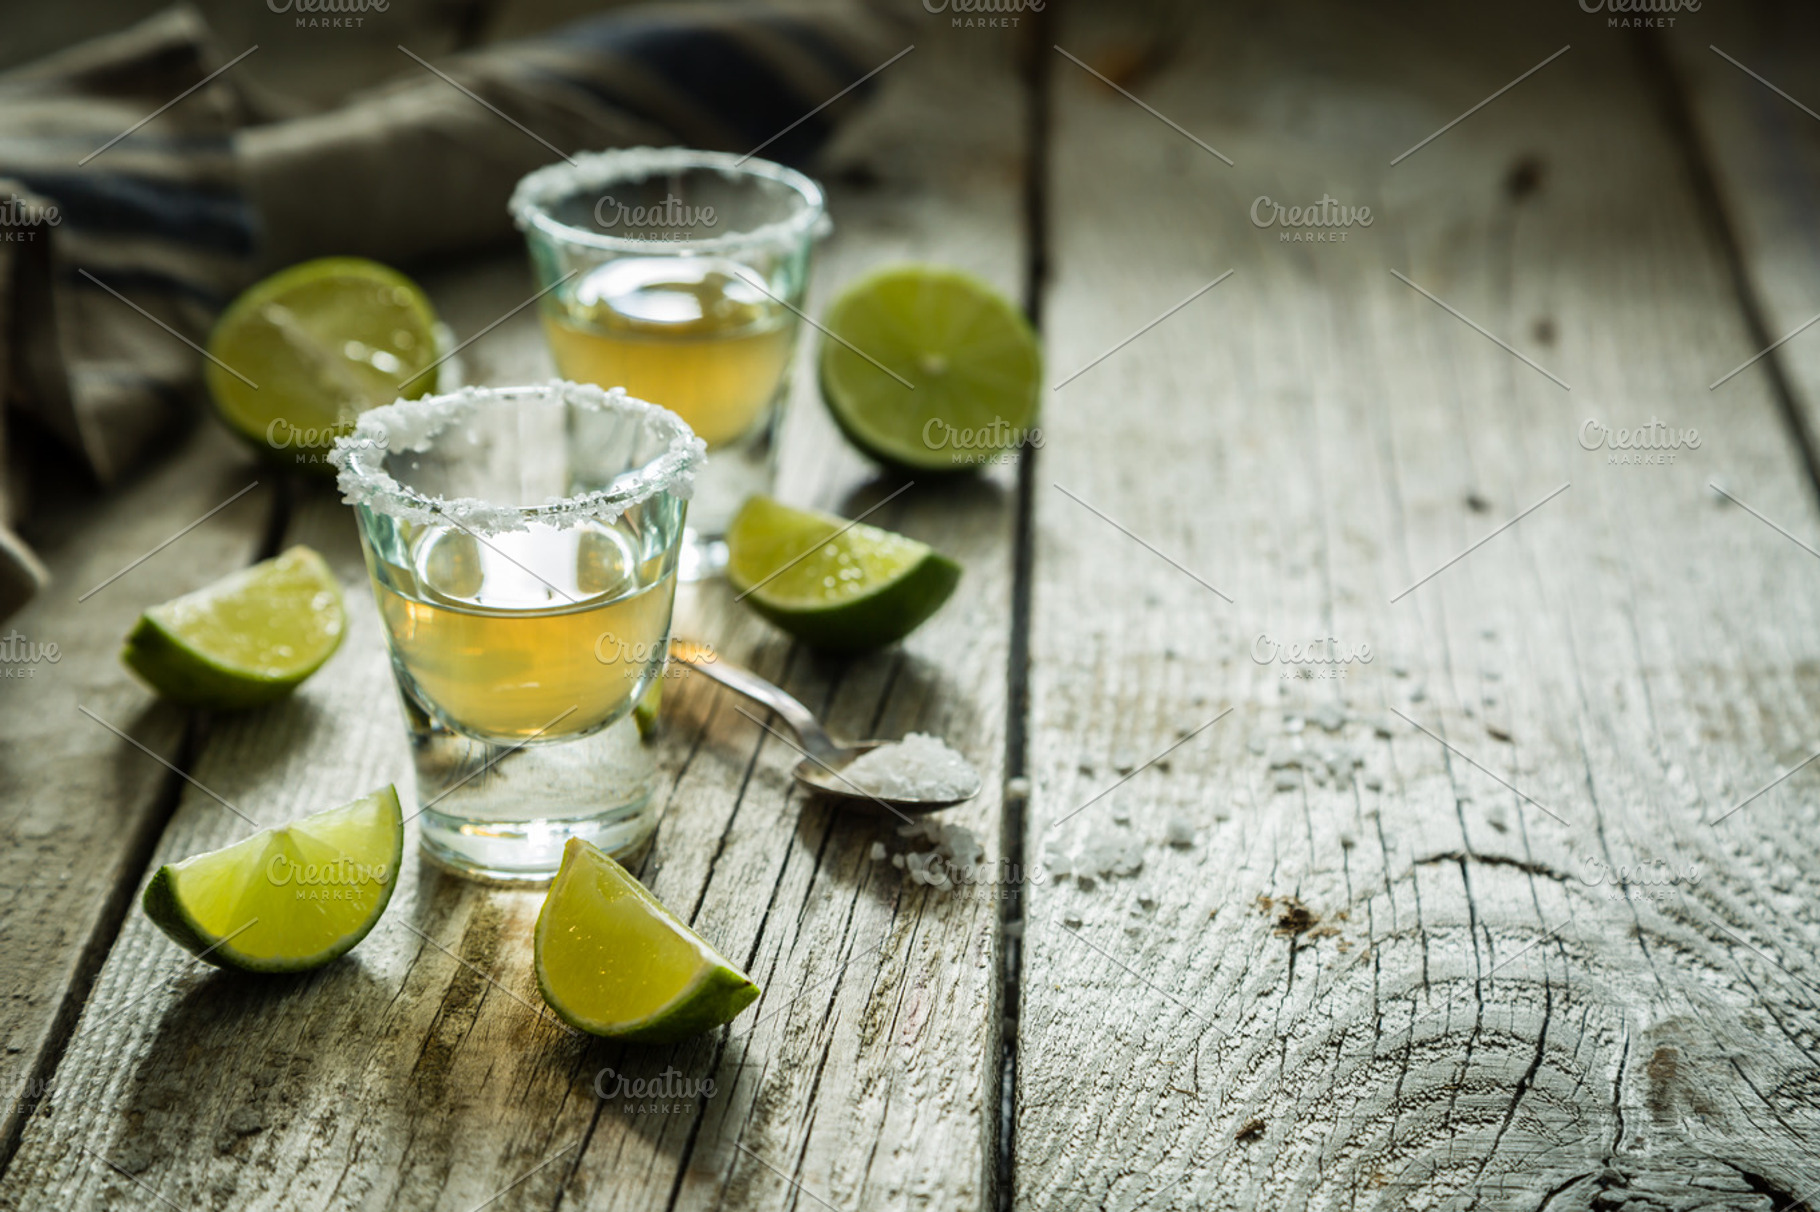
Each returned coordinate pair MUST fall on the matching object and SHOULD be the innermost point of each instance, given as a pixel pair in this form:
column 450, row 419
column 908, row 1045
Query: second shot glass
column 679, row 275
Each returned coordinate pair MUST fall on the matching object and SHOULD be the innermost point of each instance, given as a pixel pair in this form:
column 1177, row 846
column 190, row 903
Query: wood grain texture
column 1763, row 151
column 81, row 808
column 79, row 805
column 1401, row 984
column 423, row 1071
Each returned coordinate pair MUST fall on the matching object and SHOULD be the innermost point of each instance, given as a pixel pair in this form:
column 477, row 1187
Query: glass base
column 519, row 852
column 732, row 474
column 502, row 813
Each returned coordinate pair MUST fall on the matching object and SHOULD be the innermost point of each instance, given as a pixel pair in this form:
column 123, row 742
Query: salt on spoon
column 917, row 774
column 919, row 767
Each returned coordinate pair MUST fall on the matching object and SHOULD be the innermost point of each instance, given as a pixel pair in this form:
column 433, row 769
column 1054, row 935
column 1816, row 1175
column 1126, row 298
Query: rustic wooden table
column 1516, row 914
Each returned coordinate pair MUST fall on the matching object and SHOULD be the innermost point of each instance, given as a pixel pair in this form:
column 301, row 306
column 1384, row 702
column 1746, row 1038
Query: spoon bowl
column 823, row 758
column 827, row 779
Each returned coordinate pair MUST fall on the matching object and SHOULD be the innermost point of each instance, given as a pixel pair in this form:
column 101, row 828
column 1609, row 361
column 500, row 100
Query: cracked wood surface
column 1405, row 983
column 1404, row 986
column 423, row 1071
column 81, row 807
column 1751, row 83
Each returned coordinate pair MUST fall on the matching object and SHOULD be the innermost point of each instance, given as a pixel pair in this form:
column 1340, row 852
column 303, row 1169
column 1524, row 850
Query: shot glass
column 523, row 543
column 679, row 275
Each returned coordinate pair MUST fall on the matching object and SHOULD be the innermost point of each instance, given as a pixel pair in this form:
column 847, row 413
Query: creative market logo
column 1627, row 7
column 997, row 442
column 1322, row 658
column 671, row 219
column 20, row 219
column 328, row 14
column 1647, row 880
column 1651, row 445
column 339, row 880
column 20, row 657
column 669, row 1093
column 982, row 14
column 1323, row 222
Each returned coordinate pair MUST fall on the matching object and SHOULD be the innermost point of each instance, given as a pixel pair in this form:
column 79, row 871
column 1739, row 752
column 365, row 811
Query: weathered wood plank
column 82, row 807
column 1763, row 151
column 79, row 806
column 1405, row 985
column 405, row 1077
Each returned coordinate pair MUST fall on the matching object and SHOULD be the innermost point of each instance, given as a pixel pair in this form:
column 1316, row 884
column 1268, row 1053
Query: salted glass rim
column 414, row 425
column 585, row 172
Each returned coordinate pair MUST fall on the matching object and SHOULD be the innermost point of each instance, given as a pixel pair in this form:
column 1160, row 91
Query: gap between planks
column 1674, row 101
column 190, row 743
column 1013, row 818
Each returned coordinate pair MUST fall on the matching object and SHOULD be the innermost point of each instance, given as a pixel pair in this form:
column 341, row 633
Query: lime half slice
column 971, row 357
column 835, row 585
column 298, row 356
column 611, row 960
column 285, row 899
column 247, row 639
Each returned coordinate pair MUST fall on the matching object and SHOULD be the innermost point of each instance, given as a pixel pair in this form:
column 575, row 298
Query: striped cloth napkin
column 123, row 236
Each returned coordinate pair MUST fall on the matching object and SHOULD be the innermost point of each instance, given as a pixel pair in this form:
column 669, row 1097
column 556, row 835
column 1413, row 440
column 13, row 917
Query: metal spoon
column 824, row 757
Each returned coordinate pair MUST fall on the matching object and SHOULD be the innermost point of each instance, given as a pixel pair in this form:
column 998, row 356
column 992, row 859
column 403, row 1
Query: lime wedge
column 324, row 341
column 836, row 585
column 247, row 639
column 649, row 710
column 611, row 960
column 285, row 899
column 971, row 357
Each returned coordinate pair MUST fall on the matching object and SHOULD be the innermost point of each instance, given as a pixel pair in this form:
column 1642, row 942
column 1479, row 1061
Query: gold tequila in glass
column 679, row 276
column 523, row 545
column 690, row 331
column 496, row 649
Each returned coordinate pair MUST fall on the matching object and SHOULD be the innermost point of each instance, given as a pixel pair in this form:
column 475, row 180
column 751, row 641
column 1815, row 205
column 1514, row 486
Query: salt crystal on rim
column 412, row 425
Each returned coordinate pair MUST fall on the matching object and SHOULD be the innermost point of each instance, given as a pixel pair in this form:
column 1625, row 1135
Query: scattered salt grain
column 1179, row 832
column 877, row 851
column 954, row 853
column 919, row 767
column 925, row 868
column 1112, row 856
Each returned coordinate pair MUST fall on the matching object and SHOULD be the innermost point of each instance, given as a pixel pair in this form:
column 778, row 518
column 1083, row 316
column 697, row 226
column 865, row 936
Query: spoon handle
column 698, row 656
